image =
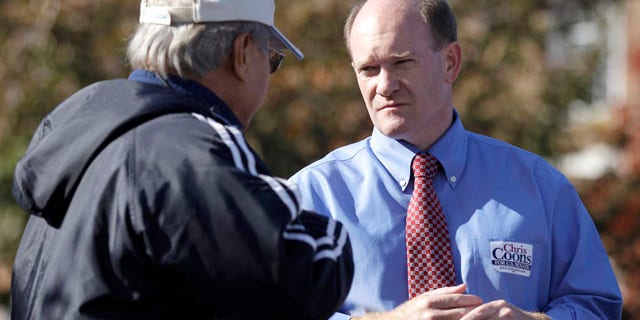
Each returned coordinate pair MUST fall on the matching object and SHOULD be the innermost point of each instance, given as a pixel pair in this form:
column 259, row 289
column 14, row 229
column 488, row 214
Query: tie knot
column 425, row 165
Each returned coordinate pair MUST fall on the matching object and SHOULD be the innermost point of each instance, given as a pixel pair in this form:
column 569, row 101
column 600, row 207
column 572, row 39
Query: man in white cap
column 146, row 201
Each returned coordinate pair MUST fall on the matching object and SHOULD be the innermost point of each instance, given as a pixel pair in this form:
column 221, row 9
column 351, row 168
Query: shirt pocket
column 508, row 269
column 505, row 257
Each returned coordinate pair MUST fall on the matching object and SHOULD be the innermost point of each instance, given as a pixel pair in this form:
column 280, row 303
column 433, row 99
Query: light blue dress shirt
column 518, row 228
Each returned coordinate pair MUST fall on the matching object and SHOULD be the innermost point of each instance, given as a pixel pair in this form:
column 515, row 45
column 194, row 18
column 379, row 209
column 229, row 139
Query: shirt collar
column 396, row 155
column 195, row 91
column 451, row 150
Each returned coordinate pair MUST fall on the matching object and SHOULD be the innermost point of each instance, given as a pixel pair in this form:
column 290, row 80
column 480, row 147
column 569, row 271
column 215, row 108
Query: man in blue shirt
column 524, row 246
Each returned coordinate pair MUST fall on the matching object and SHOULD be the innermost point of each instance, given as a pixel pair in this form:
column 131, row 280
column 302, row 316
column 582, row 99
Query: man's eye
column 368, row 70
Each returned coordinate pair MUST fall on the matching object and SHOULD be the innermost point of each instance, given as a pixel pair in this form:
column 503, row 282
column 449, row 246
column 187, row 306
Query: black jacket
column 145, row 206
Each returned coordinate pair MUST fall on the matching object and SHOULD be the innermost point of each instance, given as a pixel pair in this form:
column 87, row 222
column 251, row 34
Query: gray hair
column 189, row 50
column 436, row 13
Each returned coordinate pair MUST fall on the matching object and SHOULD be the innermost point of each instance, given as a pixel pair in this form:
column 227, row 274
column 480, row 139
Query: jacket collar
column 194, row 91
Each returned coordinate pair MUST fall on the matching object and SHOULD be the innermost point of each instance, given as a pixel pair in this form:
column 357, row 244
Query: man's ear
column 240, row 58
column 453, row 54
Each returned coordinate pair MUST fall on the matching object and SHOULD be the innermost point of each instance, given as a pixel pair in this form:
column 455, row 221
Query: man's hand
column 501, row 310
column 448, row 303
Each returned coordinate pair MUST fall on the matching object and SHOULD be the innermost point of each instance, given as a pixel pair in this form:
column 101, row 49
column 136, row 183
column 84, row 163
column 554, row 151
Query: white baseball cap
column 201, row 11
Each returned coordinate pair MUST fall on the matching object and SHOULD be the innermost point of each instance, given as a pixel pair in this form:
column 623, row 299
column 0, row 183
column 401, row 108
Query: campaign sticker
column 512, row 257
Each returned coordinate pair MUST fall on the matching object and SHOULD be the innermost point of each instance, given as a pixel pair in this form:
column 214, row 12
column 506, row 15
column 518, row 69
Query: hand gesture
column 449, row 303
column 501, row 310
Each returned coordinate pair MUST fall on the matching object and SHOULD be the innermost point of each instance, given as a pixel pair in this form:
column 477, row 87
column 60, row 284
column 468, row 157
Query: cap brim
column 286, row 43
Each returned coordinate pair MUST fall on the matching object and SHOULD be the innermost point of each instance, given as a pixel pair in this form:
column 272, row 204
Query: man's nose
column 387, row 83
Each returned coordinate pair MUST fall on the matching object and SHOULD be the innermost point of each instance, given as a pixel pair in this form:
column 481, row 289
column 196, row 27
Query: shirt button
column 453, row 179
column 403, row 182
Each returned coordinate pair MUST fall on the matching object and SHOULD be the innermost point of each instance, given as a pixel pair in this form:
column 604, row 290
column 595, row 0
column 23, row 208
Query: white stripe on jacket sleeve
column 334, row 244
column 282, row 188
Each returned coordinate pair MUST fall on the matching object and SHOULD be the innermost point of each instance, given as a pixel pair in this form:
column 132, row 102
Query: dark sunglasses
column 275, row 59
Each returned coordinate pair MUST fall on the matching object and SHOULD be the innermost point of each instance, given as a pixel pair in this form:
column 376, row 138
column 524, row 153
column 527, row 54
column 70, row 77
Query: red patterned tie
column 429, row 257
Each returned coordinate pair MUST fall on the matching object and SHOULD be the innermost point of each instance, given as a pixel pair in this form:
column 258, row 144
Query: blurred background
column 560, row 78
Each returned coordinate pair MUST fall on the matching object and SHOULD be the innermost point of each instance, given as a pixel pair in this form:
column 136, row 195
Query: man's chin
column 395, row 132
